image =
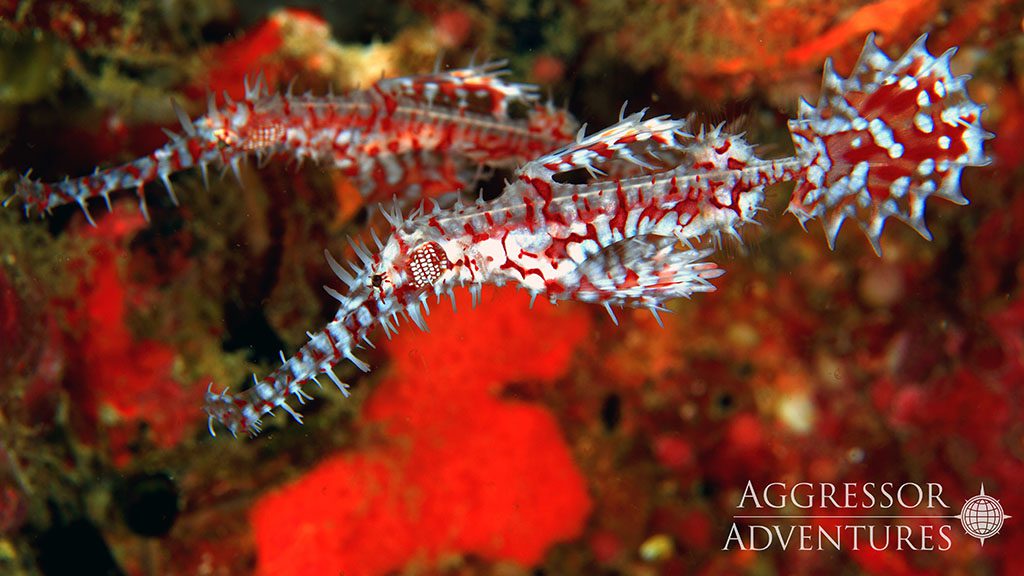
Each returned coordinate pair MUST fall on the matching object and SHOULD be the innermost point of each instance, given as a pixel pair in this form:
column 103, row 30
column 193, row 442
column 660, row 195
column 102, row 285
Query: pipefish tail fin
column 880, row 142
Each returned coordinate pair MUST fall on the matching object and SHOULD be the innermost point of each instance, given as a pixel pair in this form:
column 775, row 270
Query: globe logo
column 982, row 516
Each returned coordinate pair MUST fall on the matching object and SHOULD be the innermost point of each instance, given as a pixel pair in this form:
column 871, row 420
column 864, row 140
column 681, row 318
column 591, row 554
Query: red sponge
column 466, row 472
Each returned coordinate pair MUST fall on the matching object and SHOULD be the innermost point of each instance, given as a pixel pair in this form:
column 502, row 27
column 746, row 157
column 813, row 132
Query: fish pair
column 620, row 217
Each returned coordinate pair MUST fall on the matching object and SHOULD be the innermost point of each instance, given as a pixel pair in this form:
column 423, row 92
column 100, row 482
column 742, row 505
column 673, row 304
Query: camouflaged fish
column 622, row 217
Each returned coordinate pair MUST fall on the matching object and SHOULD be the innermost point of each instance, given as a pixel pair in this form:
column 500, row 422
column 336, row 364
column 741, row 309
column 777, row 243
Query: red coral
column 881, row 561
column 12, row 324
column 76, row 22
column 467, row 472
column 111, row 369
column 258, row 50
column 13, row 509
column 453, row 28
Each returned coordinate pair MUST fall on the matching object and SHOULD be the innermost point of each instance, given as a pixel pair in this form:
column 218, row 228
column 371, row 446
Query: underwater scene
column 511, row 287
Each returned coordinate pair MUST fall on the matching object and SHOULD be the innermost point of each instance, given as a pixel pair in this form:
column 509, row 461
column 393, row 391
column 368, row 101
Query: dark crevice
column 492, row 187
column 248, row 329
column 611, row 412
column 149, row 503
column 74, row 548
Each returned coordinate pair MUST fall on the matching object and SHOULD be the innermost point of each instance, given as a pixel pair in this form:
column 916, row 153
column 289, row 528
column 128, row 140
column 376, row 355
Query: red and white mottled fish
column 877, row 145
column 413, row 137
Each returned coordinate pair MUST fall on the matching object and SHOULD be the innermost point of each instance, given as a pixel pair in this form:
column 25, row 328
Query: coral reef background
column 508, row 440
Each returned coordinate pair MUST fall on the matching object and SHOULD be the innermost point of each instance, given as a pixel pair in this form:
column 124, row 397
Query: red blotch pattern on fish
column 885, row 139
